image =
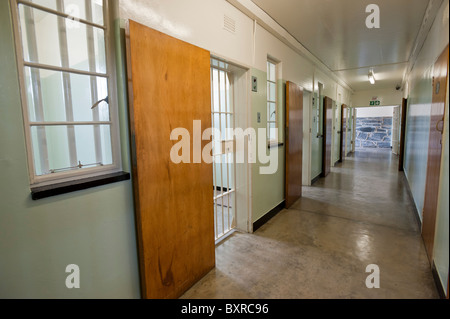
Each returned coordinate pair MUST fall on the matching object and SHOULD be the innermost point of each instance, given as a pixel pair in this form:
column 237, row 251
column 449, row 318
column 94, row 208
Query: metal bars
column 223, row 158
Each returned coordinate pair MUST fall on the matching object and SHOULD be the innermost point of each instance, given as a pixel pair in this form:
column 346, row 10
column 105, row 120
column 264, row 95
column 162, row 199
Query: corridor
column 360, row 214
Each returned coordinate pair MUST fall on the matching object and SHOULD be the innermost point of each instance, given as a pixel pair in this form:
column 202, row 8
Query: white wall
column 384, row 111
column 200, row 22
column 387, row 97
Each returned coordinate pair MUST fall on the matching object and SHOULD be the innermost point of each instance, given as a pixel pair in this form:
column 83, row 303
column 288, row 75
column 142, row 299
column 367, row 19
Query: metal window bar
column 67, row 85
column 60, row 69
column 36, row 89
column 93, row 80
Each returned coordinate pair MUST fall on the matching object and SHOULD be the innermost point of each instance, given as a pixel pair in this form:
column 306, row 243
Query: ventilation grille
column 229, row 24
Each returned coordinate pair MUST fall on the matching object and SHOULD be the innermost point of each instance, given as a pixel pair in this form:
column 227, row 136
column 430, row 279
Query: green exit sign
column 375, row 103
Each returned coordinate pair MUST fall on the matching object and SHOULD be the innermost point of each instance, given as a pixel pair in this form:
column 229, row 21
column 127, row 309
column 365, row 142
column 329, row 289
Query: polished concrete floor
column 360, row 214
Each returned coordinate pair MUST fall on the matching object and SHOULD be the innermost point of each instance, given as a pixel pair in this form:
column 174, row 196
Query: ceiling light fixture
column 371, row 77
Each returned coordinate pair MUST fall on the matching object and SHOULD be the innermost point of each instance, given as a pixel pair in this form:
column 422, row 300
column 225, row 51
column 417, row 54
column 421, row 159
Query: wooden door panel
column 327, row 134
column 435, row 151
column 294, row 142
column 169, row 86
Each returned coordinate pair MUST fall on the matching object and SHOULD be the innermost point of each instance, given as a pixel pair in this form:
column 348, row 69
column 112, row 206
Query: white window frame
column 110, row 76
column 276, row 139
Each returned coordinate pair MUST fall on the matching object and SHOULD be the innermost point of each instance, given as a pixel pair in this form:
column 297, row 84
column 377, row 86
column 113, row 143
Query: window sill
column 77, row 185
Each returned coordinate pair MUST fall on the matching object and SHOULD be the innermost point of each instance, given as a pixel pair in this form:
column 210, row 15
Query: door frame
column 245, row 80
column 401, row 152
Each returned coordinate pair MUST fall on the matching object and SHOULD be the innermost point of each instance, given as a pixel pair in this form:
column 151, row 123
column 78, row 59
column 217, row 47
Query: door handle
column 437, row 126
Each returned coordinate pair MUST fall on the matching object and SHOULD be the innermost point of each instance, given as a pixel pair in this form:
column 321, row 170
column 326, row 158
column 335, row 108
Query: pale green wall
column 93, row 228
column 267, row 190
column 416, row 140
column 417, row 135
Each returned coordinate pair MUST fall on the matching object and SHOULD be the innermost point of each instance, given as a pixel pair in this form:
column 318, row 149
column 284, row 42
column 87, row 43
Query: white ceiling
column 335, row 32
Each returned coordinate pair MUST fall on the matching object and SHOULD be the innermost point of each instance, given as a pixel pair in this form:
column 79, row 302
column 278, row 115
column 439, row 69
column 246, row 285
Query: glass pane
column 272, row 73
column 86, row 144
column 223, row 128
column 231, row 170
column 57, row 147
column 56, row 141
column 82, row 98
column 51, row 93
column 271, row 107
column 40, row 38
column 77, row 42
column 215, row 88
column 271, row 91
column 272, row 131
column 229, row 95
column 216, row 123
column 230, row 126
column 77, row 8
column 222, row 92
column 224, row 173
column 51, row 4
column 41, row 42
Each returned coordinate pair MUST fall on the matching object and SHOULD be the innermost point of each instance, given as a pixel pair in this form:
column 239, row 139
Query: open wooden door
column 169, row 87
column 327, row 134
column 343, row 132
column 401, row 152
column 294, row 142
column 435, row 151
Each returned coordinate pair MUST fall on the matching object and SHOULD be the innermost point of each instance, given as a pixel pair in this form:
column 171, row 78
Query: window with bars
column 62, row 50
column 272, row 127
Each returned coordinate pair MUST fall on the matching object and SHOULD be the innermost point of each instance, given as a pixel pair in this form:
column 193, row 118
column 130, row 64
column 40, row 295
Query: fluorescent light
column 371, row 77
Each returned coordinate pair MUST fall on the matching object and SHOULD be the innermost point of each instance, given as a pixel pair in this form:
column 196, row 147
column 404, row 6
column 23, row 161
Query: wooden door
column 401, row 153
column 343, row 132
column 169, row 87
column 294, row 142
column 435, row 151
column 327, row 134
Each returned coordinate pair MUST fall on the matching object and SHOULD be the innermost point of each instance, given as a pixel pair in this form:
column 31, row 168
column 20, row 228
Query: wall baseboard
column 272, row 213
column 437, row 281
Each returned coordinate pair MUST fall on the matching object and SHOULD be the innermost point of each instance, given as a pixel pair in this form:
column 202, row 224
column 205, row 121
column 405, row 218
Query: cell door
column 224, row 176
column 440, row 79
column 173, row 206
